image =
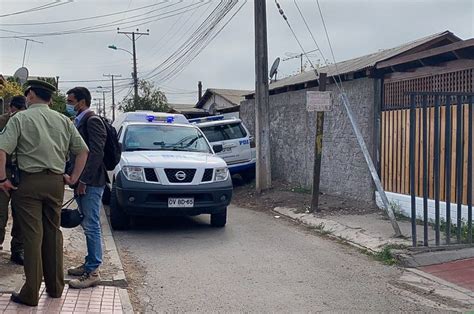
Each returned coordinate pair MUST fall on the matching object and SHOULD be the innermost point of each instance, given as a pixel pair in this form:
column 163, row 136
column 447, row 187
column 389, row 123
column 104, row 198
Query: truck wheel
column 106, row 195
column 248, row 175
column 118, row 219
column 219, row 220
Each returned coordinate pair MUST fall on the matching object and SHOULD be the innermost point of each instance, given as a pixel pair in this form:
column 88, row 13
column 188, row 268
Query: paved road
column 256, row 264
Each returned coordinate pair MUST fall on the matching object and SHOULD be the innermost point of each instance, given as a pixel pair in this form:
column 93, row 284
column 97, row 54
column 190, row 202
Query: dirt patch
column 135, row 273
column 286, row 195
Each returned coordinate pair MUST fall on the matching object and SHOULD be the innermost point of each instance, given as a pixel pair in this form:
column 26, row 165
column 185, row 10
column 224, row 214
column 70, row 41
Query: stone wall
column 344, row 170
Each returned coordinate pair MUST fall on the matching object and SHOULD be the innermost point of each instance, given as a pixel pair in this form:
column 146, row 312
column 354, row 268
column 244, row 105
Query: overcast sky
column 355, row 27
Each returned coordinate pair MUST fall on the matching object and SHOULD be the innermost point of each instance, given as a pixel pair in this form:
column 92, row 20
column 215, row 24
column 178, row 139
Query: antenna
column 274, row 69
column 22, row 75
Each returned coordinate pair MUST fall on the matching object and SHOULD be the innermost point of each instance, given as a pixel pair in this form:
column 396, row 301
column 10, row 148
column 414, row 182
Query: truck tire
column 248, row 175
column 106, row 195
column 219, row 220
column 118, row 219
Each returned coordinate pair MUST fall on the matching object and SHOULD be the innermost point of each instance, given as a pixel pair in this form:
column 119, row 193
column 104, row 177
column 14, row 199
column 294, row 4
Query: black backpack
column 112, row 150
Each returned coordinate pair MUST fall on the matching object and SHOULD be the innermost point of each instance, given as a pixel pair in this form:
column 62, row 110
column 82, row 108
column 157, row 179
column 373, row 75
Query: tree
column 149, row 98
column 10, row 89
column 58, row 101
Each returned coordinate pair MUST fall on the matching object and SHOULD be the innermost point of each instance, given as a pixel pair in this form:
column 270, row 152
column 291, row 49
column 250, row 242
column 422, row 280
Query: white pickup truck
column 167, row 168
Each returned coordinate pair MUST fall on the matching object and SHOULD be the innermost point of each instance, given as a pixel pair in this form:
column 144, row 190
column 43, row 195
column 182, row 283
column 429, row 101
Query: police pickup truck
column 167, row 168
column 238, row 145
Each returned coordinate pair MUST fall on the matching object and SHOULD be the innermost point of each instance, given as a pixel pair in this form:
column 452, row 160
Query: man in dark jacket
column 91, row 185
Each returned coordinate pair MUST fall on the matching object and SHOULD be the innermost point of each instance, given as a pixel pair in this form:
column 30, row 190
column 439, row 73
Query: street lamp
column 117, row 48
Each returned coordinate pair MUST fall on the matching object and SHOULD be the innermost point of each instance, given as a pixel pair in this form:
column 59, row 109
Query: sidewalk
column 109, row 297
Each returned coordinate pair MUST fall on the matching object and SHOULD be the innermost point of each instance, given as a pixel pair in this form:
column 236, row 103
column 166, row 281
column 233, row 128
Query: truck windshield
column 164, row 137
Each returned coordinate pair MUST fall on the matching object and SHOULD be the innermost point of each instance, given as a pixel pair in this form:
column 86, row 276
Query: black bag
column 112, row 150
column 70, row 217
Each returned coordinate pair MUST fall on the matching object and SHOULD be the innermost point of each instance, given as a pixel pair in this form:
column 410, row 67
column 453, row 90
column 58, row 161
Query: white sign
column 318, row 101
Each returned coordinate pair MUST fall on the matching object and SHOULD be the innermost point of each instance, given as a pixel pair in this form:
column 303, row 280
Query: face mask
column 70, row 110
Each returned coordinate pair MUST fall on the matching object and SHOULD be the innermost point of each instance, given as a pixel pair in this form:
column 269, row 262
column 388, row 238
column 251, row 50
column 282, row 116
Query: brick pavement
column 459, row 272
column 100, row 299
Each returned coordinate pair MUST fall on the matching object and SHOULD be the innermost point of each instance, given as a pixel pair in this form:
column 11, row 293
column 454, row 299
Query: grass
column 453, row 231
column 320, row 228
column 385, row 256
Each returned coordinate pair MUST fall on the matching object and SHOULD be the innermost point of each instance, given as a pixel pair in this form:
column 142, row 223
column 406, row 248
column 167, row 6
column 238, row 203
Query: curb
column 356, row 237
column 119, row 279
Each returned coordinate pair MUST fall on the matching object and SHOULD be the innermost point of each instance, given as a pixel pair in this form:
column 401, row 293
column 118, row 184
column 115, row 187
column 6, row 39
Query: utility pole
column 262, row 107
column 113, row 93
column 135, row 76
column 199, row 90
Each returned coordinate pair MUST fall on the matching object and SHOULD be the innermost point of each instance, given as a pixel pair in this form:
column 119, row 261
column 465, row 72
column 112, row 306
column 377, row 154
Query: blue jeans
column 90, row 204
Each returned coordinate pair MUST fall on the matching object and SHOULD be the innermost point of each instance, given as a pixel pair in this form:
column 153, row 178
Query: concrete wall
column 344, row 170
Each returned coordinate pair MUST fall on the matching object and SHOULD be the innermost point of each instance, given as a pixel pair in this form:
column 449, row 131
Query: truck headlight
column 134, row 173
column 221, row 174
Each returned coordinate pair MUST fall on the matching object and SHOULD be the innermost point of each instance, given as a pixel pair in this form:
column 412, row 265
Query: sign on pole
column 318, row 101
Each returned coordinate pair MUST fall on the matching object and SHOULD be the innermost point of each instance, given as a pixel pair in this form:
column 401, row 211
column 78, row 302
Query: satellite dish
column 21, row 74
column 274, row 69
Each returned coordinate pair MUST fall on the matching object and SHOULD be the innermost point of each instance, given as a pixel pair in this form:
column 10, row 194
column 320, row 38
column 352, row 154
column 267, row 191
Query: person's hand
column 81, row 189
column 69, row 180
column 6, row 187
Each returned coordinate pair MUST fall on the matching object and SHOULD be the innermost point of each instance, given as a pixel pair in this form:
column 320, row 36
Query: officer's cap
column 37, row 84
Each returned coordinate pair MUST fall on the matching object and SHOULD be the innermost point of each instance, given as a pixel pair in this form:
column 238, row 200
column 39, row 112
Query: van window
column 224, row 132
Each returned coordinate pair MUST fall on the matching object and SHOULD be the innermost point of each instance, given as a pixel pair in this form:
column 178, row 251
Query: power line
column 84, row 18
column 282, row 13
column 99, row 28
column 38, row 8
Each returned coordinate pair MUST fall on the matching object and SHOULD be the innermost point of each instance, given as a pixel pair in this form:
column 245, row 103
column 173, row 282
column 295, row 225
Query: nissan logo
column 180, row 175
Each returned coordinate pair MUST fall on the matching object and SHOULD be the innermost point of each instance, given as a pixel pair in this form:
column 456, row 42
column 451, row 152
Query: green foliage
column 453, row 230
column 149, row 98
column 12, row 88
column 385, row 256
column 58, row 101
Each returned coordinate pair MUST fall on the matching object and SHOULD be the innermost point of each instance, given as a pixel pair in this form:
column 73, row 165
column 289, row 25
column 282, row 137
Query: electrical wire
column 282, row 13
column 85, row 18
column 38, row 8
column 98, row 28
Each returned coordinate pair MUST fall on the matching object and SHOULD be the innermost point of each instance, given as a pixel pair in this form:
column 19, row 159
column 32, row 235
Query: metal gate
column 440, row 164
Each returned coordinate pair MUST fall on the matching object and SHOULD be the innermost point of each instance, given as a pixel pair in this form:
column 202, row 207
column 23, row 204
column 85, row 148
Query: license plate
column 180, row 202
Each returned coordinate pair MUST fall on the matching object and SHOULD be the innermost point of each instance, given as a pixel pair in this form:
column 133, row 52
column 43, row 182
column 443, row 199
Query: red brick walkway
column 460, row 272
column 94, row 300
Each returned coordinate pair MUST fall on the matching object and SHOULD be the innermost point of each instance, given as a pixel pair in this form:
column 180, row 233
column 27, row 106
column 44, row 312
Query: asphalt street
column 257, row 263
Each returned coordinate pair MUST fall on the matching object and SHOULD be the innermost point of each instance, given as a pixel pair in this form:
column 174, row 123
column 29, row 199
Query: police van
column 167, row 168
column 238, row 146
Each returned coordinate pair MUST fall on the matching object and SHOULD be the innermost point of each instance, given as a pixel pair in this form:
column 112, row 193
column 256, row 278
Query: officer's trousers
column 38, row 203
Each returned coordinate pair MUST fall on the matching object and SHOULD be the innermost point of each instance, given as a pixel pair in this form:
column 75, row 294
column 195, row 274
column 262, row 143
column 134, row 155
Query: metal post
column 447, row 156
column 469, row 171
column 370, row 164
column 425, row 171
column 436, row 169
column 318, row 149
column 199, row 90
column 262, row 112
column 103, row 103
column 412, row 168
column 459, row 168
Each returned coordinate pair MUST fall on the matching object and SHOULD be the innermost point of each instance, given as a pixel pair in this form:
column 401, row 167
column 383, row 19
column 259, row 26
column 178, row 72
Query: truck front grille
column 180, row 175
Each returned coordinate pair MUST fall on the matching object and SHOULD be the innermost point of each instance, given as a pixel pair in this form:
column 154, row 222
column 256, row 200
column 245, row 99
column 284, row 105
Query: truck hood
column 171, row 159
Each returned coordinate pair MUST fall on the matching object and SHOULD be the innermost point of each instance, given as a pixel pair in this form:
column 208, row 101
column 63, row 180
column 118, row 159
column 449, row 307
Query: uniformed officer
column 17, row 103
column 42, row 139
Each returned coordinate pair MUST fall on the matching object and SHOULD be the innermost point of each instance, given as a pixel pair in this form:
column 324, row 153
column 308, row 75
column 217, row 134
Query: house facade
column 376, row 86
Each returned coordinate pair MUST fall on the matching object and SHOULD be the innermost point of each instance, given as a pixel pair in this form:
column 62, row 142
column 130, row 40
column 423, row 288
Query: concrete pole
column 262, row 108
